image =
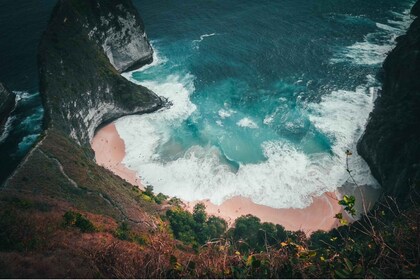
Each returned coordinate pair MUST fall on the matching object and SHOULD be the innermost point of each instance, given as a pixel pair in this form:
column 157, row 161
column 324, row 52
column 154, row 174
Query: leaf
column 348, row 264
column 250, row 260
column 344, row 222
column 312, row 254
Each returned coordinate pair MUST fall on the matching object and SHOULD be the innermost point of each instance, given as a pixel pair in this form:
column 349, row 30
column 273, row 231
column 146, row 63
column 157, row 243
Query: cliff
column 390, row 144
column 63, row 216
column 7, row 103
column 81, row 89
column 86, row 45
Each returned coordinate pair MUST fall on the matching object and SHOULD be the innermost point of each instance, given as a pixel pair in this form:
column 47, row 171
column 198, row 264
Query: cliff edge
column 81, row 56
column 85, row 47
column 7, row 103
column 390, row 144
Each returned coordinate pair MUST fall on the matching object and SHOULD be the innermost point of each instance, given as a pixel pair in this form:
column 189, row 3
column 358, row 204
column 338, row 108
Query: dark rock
column 416, row 9
column 81, row 90
column 390, row 144
column 7, row 104
column 86, row 45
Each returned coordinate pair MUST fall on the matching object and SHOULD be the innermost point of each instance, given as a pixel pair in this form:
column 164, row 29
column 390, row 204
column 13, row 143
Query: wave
column 202, row 37
column 22, row 96
column 25, row 121
column 7, row 128
column 369, row 52
column 288, row 178
column 26, row 143
column 288, row 175
column 223, row 113
column 247, row 122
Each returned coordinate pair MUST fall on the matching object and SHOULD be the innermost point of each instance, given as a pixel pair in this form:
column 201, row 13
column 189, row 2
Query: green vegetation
column 380, row 245
column 196, row 228
column 250, row 235
column 75, row 219
column 123, row 232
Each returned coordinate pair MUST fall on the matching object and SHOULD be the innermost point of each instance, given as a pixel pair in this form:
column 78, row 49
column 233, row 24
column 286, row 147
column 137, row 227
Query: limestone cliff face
column 119, row 30
column 81, row 89
column 7, row 103
column 86, row 45
column 390, row 144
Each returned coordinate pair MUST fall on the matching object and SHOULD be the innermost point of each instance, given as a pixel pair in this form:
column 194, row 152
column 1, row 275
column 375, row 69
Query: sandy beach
column 110, row 151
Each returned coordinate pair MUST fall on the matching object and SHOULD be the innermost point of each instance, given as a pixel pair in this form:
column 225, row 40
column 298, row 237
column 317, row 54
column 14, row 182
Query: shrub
column 76, row 219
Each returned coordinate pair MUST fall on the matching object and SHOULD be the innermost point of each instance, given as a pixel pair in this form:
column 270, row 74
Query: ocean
column 267, row 96
column 21, row 25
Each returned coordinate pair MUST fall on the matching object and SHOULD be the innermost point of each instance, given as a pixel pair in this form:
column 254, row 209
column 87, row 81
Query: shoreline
column 109, row 151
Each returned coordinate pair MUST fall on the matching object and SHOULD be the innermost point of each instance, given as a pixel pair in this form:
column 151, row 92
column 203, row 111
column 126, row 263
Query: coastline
column 110, row 151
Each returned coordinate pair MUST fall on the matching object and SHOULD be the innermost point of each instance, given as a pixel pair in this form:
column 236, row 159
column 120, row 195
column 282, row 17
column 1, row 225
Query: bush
column 75, row 219
column 123, row 232
column 195, row 228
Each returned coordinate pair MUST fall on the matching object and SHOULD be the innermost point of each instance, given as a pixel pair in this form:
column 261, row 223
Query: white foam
column 27, row 142
column 387, row 27
column 342, row 116
column 202, row 37
column 247, row 122
column 364, row 53
column 23, row 95
column 7, row 128
column 223, row 113
column 369, row 53
column 268, row 119
column 288, row 178
column 153, row 128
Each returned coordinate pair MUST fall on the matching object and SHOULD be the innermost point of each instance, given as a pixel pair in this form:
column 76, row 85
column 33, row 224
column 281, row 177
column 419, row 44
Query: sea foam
column 368, row 52
column 288, row 177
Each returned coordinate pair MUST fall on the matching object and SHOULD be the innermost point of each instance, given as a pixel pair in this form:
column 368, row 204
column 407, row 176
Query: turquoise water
column 267, row 96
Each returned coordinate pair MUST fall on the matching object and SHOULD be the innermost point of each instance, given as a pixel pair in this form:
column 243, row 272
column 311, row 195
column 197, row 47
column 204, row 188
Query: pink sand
column 110, row 151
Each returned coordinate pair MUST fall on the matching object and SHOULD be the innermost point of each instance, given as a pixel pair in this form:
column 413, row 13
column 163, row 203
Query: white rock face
column 123, row 39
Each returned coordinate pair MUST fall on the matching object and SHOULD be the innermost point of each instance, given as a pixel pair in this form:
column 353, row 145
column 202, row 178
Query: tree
column 199, row 213
column 216, row 227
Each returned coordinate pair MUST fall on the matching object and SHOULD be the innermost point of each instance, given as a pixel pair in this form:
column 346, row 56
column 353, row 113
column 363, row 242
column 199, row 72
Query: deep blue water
column 267, row 95
column 21, row 25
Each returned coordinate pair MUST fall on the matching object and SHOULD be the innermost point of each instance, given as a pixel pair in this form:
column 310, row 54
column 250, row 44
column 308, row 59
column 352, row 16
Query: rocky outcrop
column 81, row 89
column 390, row 144
column 7, row 103
column 416, row 9
column 119, row 30
column 86, row 45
